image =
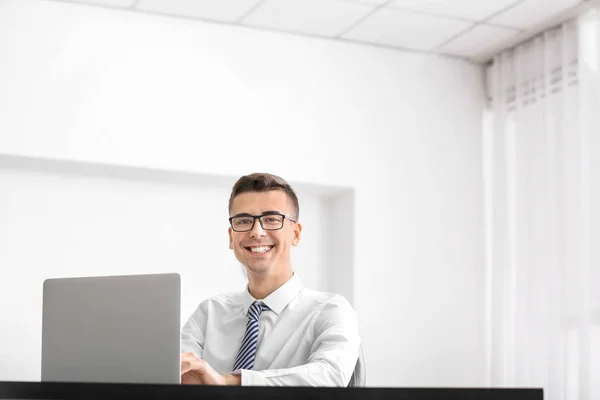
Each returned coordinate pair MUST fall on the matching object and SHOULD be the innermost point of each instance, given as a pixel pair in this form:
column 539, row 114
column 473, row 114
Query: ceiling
column 468, row 29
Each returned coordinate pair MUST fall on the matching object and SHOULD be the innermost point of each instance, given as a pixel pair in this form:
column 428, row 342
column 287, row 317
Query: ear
column 297, row 232
column 230, row 231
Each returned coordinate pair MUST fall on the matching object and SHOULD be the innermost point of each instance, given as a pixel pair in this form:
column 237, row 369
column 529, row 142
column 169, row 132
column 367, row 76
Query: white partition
column 64, row 219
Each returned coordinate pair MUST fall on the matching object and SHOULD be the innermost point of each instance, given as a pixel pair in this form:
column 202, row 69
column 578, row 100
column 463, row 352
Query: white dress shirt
column 305, row 338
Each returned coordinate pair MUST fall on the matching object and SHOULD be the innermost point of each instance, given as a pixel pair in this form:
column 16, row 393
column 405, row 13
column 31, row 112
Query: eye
column 243, row 221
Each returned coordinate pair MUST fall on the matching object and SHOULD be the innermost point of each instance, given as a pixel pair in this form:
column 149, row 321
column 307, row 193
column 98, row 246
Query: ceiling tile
column 218, row 10
column 477, row 40
column 109, row 3
column 475, row 10
column 398, row 28
column 532, row 12
column 313, row 17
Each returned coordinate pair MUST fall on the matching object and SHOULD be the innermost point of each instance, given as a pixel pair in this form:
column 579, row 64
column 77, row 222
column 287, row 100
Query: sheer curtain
column 543, row 212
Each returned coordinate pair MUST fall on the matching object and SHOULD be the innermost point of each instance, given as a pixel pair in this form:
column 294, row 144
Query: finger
column 188, row 361
column 188, row 358
column 192, row 365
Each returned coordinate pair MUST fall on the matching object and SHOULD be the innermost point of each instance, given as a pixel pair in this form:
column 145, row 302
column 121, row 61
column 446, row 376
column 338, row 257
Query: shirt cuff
column 253, row 378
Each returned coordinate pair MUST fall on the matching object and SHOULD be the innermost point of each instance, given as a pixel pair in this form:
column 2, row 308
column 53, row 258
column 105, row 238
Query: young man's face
column 249, row 247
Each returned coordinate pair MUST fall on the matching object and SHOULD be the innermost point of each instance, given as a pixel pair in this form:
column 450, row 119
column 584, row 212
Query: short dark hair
column 263, row 182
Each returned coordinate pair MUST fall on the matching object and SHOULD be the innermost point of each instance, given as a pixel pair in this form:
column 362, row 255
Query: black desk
column 37, row 390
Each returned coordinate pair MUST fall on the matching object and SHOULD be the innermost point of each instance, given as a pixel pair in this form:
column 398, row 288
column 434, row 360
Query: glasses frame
column 258, row 217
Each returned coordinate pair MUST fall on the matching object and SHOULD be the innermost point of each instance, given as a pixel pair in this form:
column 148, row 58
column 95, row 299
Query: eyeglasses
column 269, row 222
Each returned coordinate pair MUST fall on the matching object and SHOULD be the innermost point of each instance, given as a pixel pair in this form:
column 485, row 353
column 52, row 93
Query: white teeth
column 262, row 249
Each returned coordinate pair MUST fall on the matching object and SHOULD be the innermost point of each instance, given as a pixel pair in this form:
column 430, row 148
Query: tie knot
column 255, row 309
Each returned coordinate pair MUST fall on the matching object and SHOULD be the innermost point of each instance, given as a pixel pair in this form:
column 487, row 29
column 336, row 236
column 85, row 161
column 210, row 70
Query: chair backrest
column 359, row 376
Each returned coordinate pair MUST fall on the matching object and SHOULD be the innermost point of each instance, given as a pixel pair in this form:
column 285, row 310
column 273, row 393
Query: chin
column 258, row 267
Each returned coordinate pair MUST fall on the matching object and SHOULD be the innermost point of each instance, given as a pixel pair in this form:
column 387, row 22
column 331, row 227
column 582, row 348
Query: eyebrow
column 269, row 212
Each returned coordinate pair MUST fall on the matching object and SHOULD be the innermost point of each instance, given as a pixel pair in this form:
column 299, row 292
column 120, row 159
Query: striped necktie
column 245, row 357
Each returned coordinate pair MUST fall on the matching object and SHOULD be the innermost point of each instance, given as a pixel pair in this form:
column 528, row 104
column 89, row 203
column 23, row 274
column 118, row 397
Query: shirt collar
column 279, row 299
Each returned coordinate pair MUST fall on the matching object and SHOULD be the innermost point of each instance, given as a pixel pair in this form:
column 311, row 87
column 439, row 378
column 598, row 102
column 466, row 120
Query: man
column 276, row 332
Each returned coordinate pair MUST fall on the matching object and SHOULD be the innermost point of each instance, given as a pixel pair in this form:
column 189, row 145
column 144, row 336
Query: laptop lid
column 117, row 329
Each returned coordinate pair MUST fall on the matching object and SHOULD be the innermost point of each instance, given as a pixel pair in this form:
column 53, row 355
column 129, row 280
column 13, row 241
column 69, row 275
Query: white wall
column 401, row 129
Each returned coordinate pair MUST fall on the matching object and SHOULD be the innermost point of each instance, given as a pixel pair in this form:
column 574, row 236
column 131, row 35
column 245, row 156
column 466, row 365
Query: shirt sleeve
column 192, row 333
column 333, row 355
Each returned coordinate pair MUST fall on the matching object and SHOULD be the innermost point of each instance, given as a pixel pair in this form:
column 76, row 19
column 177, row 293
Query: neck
column 262, row 285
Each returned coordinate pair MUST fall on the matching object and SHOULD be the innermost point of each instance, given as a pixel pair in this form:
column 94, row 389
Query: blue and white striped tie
column 245, row 357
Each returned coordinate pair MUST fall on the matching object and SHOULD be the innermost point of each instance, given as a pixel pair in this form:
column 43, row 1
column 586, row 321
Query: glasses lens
column 272, row 221
column 241, row 224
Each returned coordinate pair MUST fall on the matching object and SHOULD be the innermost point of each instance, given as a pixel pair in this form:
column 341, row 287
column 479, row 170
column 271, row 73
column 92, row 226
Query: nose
column 257, row 230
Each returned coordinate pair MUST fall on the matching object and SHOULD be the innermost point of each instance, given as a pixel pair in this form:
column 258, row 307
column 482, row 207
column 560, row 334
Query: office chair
column 359, row 376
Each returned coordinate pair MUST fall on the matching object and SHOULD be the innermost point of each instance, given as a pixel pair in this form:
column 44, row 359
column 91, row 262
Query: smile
column 259, row 249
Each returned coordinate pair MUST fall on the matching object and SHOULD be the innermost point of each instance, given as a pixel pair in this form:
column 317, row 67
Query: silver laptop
column 117, row 329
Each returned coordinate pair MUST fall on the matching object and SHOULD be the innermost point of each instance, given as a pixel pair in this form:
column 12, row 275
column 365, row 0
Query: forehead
column 259, row 202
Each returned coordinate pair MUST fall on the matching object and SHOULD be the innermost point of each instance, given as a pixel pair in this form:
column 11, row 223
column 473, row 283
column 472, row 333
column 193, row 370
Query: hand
column 195, row 371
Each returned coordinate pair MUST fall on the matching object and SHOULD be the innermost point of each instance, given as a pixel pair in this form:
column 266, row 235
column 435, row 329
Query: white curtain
column 543, row 213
